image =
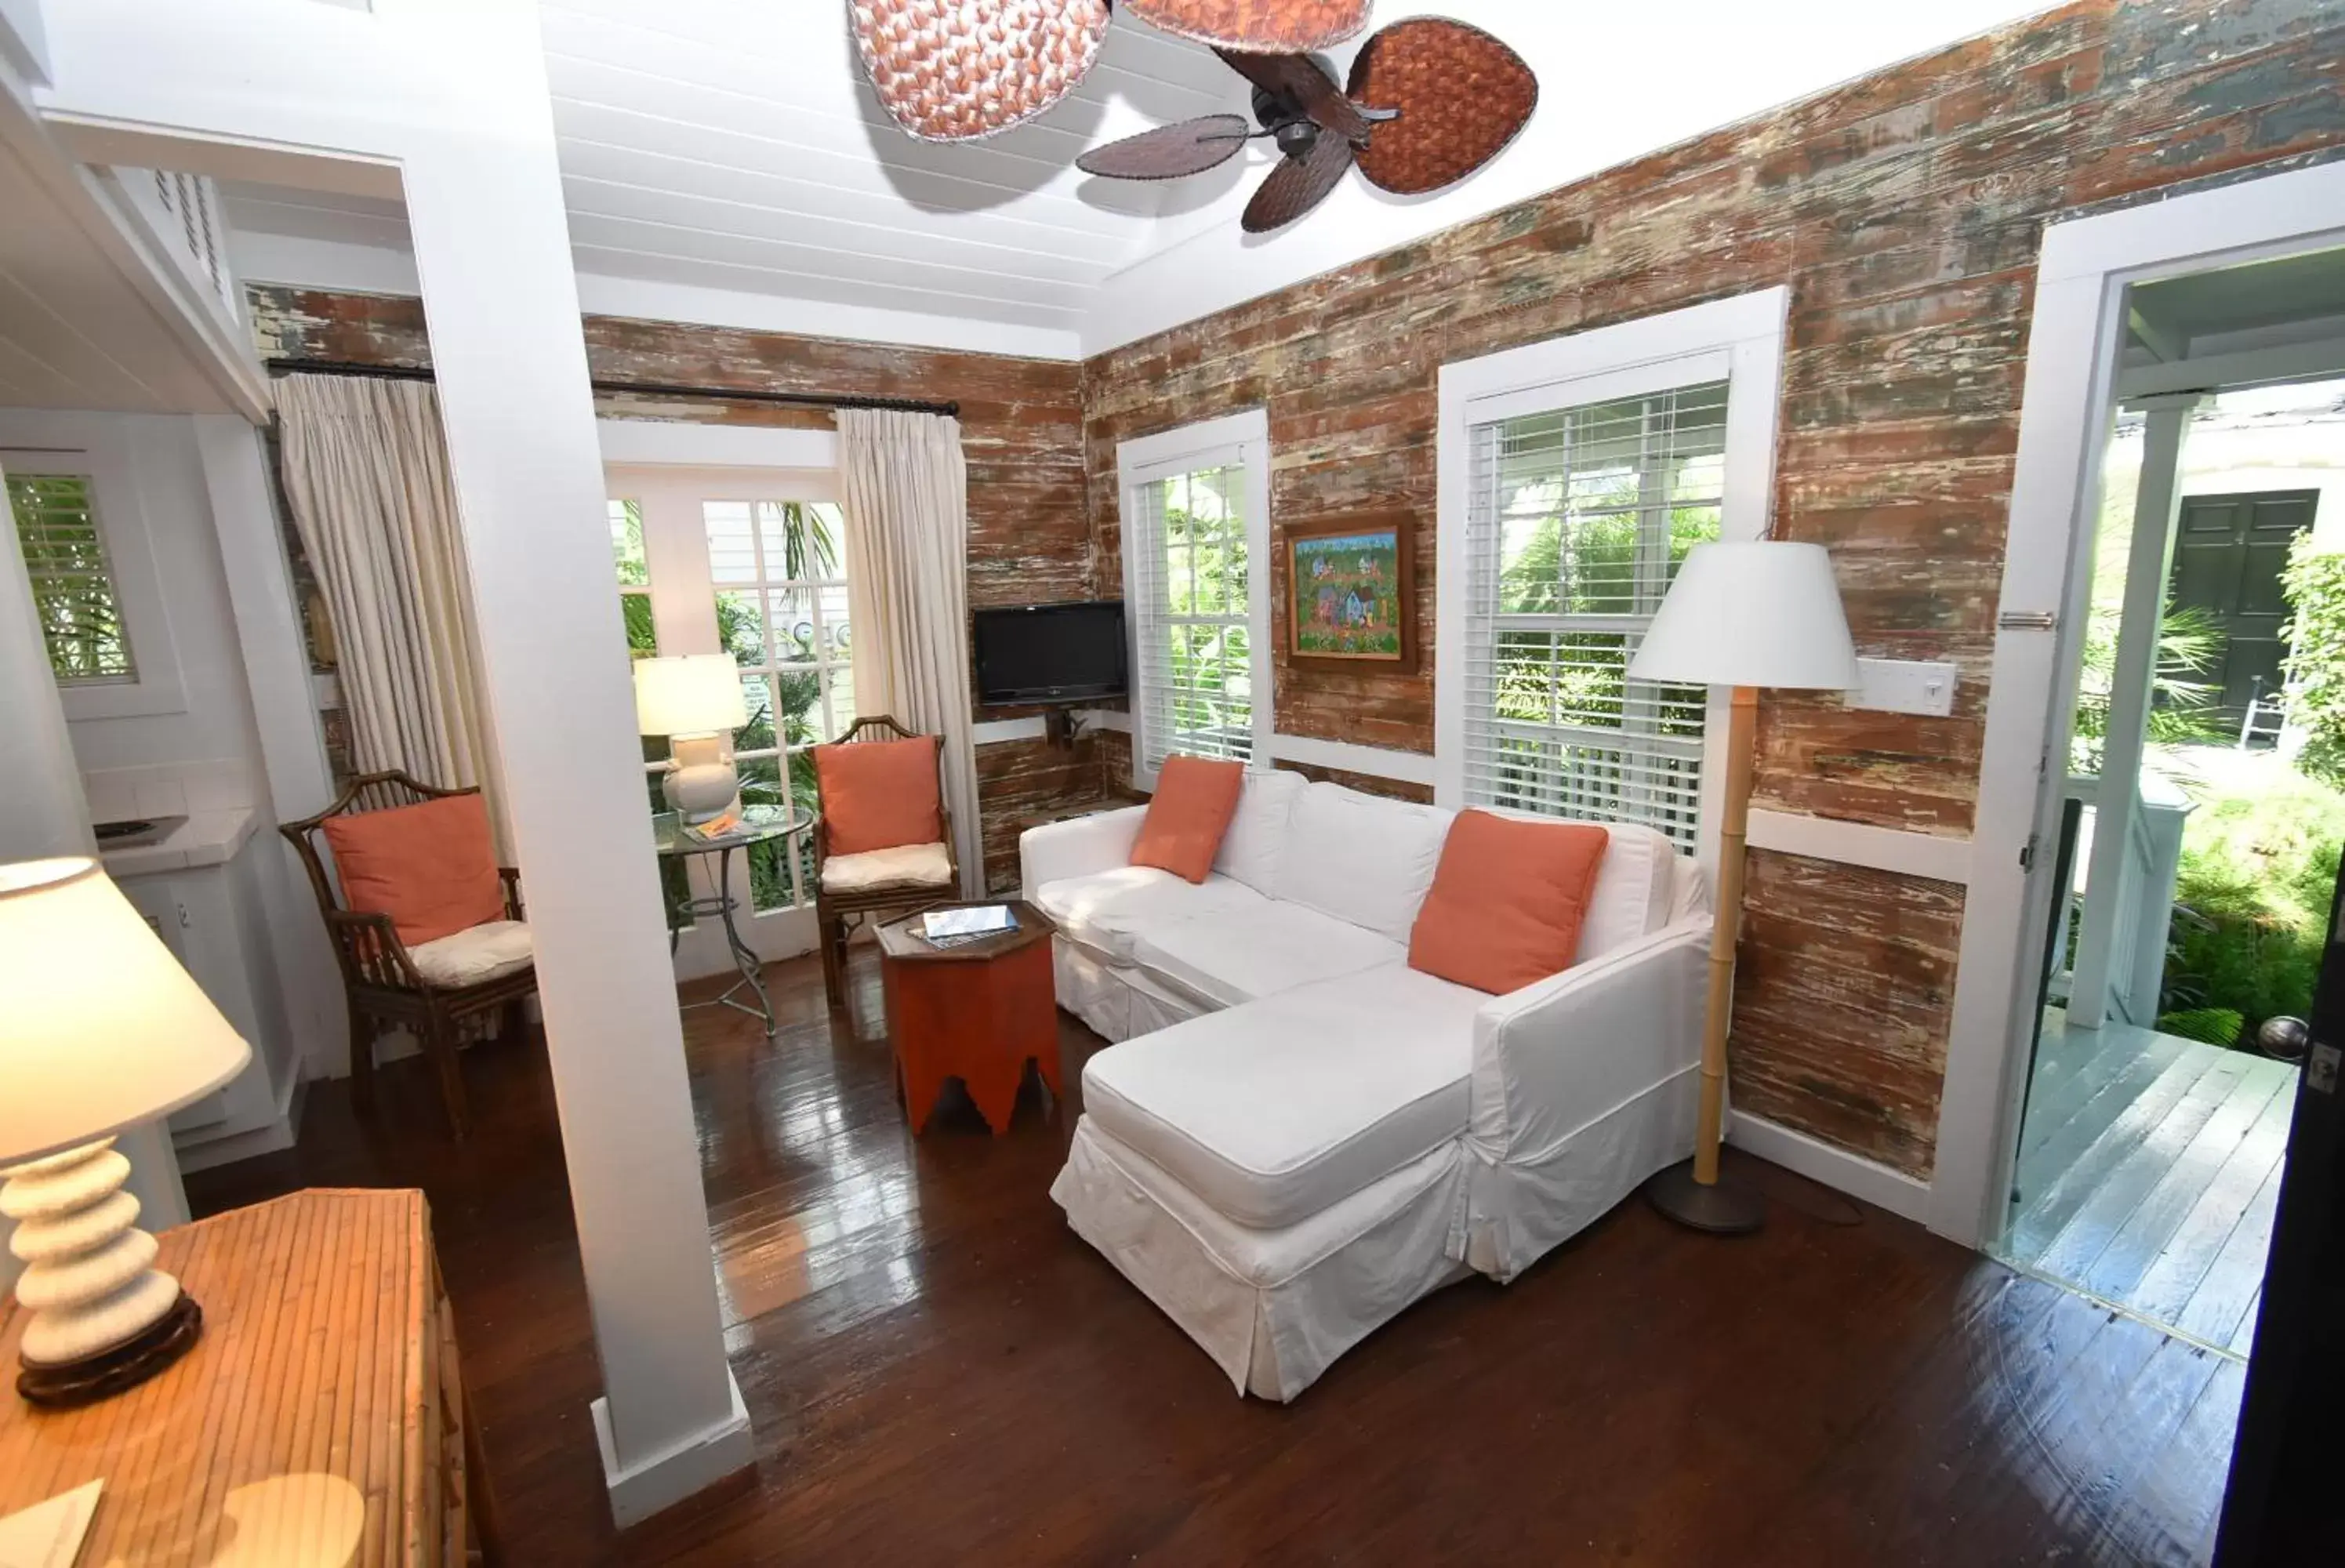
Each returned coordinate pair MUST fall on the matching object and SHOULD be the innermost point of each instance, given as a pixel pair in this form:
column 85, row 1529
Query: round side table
column 758, row 825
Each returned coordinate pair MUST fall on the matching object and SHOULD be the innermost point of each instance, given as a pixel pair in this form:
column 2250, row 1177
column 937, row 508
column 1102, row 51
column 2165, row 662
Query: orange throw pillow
column 431, row 867
column 1191, row 810
column 1508, row 901
column 879, row 795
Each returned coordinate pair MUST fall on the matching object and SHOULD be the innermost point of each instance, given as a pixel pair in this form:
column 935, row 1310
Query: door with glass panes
column 750, row 562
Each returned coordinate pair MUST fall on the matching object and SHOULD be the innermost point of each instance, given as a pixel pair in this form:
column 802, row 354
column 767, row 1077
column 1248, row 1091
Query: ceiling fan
column 1448, row 97
column 1428, row 102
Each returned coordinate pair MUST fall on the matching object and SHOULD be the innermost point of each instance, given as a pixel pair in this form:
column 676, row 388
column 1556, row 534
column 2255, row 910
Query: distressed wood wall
column 1021, row 424
column 1905, row 212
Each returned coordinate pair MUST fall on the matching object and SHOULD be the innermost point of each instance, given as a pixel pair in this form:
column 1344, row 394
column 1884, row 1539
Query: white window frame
column 1239, row 441
column 1738, row 340
column 109, row 461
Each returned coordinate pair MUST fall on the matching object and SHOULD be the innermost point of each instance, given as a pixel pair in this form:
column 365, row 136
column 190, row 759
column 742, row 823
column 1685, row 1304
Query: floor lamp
column 1744, row 615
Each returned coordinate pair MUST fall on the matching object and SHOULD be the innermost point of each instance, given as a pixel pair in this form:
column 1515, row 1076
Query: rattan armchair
column 836, row 913
column 380, row 980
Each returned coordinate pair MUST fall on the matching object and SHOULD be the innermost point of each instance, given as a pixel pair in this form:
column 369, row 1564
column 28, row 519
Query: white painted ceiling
column 725, row 161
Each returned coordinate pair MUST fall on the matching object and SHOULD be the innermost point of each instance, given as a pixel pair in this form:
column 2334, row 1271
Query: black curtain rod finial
column 286, row 366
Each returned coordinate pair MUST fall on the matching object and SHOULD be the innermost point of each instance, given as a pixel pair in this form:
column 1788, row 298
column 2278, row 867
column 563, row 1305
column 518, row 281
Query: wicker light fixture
column 1258, row 26
column 1461, row 97
column 955, row 70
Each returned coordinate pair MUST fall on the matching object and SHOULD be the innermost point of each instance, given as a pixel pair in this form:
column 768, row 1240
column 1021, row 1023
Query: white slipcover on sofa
column 1298, row 1135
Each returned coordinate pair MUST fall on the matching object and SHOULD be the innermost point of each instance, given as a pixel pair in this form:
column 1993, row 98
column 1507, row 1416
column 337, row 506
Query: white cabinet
column 212, row 918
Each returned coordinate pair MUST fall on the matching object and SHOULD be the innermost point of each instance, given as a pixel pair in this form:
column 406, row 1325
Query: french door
column 751, row 562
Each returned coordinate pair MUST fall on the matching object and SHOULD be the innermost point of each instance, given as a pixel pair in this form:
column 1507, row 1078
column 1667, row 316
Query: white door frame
column 2066, row 414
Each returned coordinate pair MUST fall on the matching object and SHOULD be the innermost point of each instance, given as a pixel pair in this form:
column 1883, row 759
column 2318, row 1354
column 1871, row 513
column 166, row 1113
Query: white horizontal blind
column 1578, row 520
column 73, row 582
column 1190, row 584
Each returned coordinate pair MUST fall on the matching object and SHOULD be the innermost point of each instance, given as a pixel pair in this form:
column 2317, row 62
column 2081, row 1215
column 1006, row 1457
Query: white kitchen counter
column 206, row 838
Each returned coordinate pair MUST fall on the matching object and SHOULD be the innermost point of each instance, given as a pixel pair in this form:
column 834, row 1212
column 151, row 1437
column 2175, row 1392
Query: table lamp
column 694, row 699
column 100, row 1029
column 1744, row 615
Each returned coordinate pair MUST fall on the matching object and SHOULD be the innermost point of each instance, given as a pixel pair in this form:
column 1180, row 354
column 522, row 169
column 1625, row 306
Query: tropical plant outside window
column 73, row 582
column 1581, row 516
column 1194, row 586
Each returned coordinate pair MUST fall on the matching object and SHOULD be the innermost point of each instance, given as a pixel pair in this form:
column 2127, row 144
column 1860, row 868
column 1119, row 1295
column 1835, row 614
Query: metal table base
column 744, row 960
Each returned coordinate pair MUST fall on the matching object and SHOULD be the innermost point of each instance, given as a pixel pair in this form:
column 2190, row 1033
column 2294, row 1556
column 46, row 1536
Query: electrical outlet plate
column 1903, row 686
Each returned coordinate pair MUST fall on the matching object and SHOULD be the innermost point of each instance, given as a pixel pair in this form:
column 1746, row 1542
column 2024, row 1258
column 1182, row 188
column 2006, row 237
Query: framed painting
column 1351, row 593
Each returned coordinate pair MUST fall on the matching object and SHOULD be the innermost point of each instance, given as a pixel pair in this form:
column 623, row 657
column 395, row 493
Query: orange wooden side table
column 977, row 1012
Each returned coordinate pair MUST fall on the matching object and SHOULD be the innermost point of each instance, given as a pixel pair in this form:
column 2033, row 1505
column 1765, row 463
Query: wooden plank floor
column 2149, row 1170
column 940, row 1370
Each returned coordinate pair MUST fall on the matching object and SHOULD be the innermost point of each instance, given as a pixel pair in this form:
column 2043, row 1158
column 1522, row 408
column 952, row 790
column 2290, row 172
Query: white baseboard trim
column 1376, row 761
column 1837, row 1169
column 668, row 1478
column 1860, row 843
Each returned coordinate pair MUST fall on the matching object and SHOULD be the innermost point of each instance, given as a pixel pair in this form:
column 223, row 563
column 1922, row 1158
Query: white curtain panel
column 904, row 486
column 366, row 471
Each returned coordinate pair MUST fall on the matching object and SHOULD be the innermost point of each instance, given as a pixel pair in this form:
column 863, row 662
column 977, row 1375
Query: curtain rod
column 649, row 389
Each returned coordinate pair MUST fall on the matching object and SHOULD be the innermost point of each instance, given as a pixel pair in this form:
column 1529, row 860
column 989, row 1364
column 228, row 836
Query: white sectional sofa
column 1297, row 1135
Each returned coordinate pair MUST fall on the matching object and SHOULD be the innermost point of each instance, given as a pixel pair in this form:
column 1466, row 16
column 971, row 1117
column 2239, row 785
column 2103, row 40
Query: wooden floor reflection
column 939, row 1371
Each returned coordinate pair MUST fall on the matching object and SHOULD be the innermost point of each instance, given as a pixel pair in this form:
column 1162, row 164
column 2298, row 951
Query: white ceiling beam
column 2311, row 361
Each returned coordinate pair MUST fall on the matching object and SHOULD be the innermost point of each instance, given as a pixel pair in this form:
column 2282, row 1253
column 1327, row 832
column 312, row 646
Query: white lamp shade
column 692, row 694
column 1762, row 614
column 100, row 1028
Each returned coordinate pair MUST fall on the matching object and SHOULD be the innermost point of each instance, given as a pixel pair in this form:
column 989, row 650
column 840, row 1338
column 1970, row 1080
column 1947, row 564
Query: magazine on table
column 952, row 927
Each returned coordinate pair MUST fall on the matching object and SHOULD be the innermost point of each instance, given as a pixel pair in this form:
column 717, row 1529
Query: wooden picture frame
column 1330, row 563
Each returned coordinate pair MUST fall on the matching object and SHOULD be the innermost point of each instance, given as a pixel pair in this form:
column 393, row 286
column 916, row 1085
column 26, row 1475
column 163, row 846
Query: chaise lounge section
column 1297, row 1135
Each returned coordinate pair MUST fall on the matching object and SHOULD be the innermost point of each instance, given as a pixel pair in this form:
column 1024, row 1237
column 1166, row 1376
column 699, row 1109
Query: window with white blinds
column 1189, row 586
column 1578, row 518
column 72, row 580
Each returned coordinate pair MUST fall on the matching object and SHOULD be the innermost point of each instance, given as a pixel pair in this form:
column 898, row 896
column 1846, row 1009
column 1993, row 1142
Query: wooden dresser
column 321, row 1419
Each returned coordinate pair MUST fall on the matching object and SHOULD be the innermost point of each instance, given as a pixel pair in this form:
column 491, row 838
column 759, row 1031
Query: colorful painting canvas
column 1350, row 592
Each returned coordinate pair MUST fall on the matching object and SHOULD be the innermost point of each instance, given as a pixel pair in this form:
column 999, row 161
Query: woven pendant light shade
column 1260, row 26
column 1462, row 96
column 954, row 70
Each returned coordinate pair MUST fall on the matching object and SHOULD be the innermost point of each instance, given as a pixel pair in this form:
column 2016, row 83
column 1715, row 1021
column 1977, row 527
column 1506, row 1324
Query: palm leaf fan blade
column 1299, row 80
column 956, row 70
column 1169, row 152
column 1270, row 26
column 1297, row 184
column 1461, row 95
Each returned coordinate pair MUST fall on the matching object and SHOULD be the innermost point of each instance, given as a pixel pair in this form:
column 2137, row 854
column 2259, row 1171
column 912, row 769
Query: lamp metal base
column 1722, row 1208
column 64, row 1385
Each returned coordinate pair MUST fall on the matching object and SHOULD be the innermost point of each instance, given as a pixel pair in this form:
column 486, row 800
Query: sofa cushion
column 1636, row 887
column 473, row 957
column 1361, row 857
column 1272, row 1112
column 1194, row 800
column 1106, row 910
column 1245, row 955
column 906, row 865
column 1257, row 842
column 1508, row 901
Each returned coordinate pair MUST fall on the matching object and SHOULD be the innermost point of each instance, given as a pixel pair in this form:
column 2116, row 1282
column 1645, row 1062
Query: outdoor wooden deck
column 2148, row 1170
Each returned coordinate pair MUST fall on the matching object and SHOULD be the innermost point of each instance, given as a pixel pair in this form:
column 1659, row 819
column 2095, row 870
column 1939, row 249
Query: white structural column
column 446, row 101
column 2157, row 501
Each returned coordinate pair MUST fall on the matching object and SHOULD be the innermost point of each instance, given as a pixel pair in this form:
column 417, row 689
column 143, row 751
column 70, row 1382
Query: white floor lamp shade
column 101, row 1029
column 696, row 699
column 1745, row 615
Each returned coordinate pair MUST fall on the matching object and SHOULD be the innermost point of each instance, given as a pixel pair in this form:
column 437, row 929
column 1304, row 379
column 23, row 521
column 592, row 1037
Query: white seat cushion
column 1361, row 858
column 475, row 955
column 1272, row 1112
column 1249, row 954
column 1256, row 842
column 906, row 865
column 1106, row 910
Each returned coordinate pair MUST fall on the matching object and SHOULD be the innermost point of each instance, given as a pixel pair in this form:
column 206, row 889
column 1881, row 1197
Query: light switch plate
column 1903, row 686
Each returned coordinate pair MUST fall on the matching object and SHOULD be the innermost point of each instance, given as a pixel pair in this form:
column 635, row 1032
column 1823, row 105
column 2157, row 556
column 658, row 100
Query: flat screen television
column 1049, row 653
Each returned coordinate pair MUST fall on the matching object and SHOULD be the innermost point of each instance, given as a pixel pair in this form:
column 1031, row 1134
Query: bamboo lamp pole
column 1743, row 615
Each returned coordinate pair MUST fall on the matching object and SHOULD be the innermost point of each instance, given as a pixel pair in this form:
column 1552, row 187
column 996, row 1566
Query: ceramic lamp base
column 102, row 1320
column 701, row 783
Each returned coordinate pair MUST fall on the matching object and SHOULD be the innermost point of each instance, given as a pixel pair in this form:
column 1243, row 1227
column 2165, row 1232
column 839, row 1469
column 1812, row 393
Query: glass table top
column 758, row 825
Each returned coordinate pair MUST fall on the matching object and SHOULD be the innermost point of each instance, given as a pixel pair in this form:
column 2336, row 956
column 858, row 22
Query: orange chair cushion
column 431, row 866
column 1191, row 810
column 1508, row 901
column 879, row 795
